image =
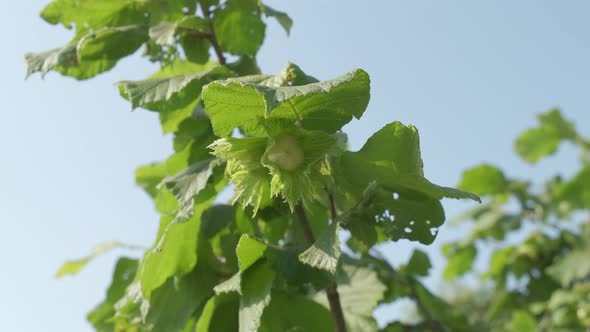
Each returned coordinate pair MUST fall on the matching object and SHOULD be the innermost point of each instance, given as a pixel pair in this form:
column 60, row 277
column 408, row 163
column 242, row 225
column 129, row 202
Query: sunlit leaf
column 189, row 183
column 460, row 260
column 239, row 31
column 484, row 180
column 391, row 157
column 160, row 94
column 73, row 267
column 541, row 141
column 522, row 322
column 325, row 252
column 325, row 106
column 284, row 20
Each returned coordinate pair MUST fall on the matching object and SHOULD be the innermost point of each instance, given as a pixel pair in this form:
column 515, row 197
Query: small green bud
column 286, row 153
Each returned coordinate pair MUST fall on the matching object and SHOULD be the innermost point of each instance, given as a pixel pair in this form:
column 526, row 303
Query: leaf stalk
column 212, row 37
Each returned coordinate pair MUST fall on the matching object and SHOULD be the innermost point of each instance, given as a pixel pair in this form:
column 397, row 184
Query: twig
column 196, row 33
column 332, row 206
column 305, row 224
column 336, row 307
column 332, row 290
column 212, row 37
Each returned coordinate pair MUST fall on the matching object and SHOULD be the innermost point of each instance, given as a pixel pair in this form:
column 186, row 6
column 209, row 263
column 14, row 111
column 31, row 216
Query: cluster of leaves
column 265, row 262
column 539, row 235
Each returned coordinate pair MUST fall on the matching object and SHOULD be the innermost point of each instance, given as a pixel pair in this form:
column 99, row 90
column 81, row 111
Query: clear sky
column 469, row 74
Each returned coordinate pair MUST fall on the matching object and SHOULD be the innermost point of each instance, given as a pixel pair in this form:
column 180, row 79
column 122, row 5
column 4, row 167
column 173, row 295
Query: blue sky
column 470, row 75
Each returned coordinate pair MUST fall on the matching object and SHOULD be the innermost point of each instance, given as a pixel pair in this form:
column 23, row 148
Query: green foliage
column 402, row 203
column 175, row 251
column 295, row 313
column 325, row 253
column 272, row 261
column 460, row 260
column 547, row 254
column 252, row 102
column 239, row 30
column 419, row 264
column 391, row 157
column 522, row 321
column 360, row 290
column 544, row 140
column 73, row 267
column 100, row 316
column 160, row 93
column 484, row 180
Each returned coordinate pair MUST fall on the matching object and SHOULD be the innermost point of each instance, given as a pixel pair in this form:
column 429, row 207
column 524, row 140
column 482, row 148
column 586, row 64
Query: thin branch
column 336, row 307
column 332, row 290
column 212, row 37
column 197, row 33
column 305, row 224
column 332, row 206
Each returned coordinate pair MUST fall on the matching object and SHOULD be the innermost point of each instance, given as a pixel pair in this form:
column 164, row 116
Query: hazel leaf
column 248, row 102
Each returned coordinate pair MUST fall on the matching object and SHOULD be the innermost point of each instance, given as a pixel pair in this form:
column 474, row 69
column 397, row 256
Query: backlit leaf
column 111, row 44
column 325, row 106
column 189, row 183
column 149, row 176
column 522, row 322
column 484, row 180
column 161, row 94
column 460, row 260
column 395, row 216
column 239, row 32
column 284, row 20
column 571, row 267
column 391, row 157
column 93, row 54
column 249, row 251
column 74, row 266
column 541, row 141
column 325, row 252
column 86, row 15
column 164, row 32
column 576, row 191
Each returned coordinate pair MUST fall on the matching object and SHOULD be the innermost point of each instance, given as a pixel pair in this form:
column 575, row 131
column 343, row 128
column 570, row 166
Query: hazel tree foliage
column 271, row 259
column 538, row 234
